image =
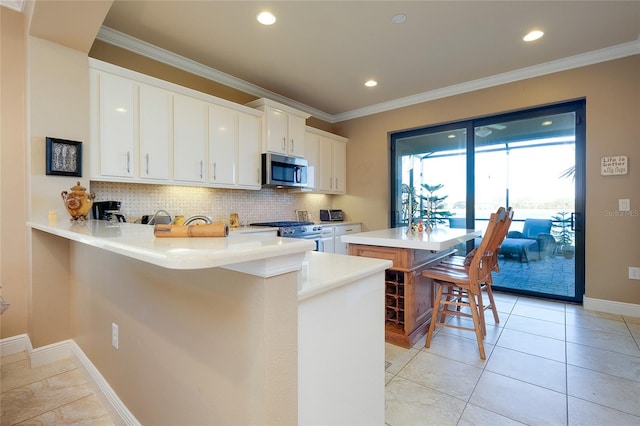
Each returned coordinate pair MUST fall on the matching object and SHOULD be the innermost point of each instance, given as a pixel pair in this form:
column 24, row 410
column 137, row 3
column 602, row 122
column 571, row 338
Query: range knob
column 303, row 229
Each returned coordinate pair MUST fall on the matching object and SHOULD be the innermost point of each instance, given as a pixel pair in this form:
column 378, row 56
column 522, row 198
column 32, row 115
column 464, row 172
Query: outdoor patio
column 552, row 275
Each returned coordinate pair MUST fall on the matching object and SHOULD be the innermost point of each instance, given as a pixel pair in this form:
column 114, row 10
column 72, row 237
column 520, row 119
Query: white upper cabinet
column 330, row 165
column 249, row 159
column 155, row 119
column 146, row 130
column 223, row 145
column 311, row 152
column 284, row 128
column 339, row 167
column 190, row 131
column 116, row 125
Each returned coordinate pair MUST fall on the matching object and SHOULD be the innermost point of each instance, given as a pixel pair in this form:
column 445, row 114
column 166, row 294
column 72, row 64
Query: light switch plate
column 624, row 204
column 634, row 273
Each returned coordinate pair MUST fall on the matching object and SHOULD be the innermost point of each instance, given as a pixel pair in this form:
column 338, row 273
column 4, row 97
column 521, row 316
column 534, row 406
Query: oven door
column 315, row 238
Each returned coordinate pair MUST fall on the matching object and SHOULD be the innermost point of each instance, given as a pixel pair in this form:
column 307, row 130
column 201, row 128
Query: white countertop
column 437, row 239
column 322, row 272
column 138, row 242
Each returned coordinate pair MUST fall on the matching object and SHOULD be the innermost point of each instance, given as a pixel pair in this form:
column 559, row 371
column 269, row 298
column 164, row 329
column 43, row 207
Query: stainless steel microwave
column 283, row 171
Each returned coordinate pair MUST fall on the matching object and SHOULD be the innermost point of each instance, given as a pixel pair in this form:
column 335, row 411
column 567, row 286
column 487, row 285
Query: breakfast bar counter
column 408, row 295
column 226, row 330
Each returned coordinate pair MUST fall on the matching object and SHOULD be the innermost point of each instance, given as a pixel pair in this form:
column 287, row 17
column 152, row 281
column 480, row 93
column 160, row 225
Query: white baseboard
column 612, row 307
column 15, row 344
column 65, row 349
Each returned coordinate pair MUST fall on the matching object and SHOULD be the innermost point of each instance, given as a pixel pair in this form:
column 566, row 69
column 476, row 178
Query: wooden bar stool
column 460, row 287
column 465, row 261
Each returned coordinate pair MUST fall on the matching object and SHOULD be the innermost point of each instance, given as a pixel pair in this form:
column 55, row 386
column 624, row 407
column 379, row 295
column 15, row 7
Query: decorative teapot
column 78, row 202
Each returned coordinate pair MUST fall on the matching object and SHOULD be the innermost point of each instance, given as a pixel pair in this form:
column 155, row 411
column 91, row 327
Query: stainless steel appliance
column 107, row 210
column 302, row 230
column 283, row 171
column 331, row 215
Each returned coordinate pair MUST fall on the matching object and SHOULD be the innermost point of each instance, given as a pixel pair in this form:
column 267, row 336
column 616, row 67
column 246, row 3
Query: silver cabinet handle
column 214, row 171
column 147, row 162
column 284, row 143
column 292, row 145
column 336, row 183
column 201, row 169
column 128, row 162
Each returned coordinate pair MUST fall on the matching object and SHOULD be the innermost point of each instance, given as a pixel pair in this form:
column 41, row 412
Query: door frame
column 578, row 106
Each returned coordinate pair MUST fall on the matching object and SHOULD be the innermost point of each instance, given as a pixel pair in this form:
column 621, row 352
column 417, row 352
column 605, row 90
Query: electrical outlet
column 114, row 335
column 634, row 273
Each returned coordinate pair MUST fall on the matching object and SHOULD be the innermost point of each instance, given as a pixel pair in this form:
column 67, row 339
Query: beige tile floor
column 58, row 393
column 547, row 363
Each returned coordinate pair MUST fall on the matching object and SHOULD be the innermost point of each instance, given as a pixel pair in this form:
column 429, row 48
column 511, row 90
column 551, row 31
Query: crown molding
column 577, row 61
column 148, row 50
column 151, row 51
column 17, row 5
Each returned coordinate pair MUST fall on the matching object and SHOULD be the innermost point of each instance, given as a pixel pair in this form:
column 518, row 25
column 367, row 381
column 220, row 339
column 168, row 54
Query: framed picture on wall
column 64, row 157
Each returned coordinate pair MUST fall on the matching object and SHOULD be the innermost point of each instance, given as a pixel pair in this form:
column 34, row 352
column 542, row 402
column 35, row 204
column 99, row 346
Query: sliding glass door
column 532, row 161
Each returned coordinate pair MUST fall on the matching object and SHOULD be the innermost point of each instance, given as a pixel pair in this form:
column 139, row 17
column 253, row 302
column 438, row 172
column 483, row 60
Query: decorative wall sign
column 614, row 165
column 64, row 157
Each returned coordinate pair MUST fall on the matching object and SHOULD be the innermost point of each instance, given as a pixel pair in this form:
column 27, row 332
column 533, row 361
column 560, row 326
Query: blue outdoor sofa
column 535, row 242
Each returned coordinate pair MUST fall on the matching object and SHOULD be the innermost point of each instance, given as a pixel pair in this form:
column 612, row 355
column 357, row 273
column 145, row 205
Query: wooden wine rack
column 408, row 295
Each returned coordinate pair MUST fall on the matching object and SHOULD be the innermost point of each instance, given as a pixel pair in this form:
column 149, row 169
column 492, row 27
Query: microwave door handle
column 298, row 174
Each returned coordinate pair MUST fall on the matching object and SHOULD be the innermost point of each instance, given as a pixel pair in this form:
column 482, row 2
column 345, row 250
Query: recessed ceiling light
column 451, row 136
column 533, row 35
column 371, row 83
column 399, row 18
column 547, row 123
column 266, row 18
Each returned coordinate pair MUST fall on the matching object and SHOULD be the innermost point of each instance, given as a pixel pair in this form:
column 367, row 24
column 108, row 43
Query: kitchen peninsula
column 219, row 330
column 409, row 296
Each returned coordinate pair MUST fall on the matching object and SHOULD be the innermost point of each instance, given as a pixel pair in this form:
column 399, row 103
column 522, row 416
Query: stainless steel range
column 302, row 230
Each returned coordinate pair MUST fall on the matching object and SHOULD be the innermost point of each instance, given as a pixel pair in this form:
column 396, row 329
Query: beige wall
column 612, row 94
column 13, row 188
column 193, row 349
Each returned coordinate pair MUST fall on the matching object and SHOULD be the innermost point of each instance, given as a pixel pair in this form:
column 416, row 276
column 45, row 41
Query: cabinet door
column 340, row 247
column 311, row 151
column 249, row 143
column 296, row 133
column 277, row 123
column 117, row 128
column 190, row 118
column 339, row 167
column 325, row 165
column 223, row 145
column 155, row 132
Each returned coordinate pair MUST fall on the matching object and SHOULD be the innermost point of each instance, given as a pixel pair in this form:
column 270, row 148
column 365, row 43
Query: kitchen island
column 208, row 327
column 408, row 295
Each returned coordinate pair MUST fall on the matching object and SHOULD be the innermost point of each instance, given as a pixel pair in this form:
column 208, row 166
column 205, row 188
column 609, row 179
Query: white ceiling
column 319, row 53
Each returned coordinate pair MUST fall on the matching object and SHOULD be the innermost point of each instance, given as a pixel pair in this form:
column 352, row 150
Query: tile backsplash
column 268, row 204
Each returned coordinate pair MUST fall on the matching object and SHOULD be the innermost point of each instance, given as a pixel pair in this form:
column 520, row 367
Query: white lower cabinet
column 327, row 240
column 190, row 128
column 340, row 230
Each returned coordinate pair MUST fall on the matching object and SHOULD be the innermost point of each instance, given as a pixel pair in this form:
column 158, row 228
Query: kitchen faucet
column 152, row 221
column 205, row 219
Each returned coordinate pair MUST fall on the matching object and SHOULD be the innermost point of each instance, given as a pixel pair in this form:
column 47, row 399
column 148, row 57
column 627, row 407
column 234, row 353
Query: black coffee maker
column 107, row 210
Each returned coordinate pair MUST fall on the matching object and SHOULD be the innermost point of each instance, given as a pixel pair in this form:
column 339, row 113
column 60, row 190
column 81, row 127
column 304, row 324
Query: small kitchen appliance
column 300, row 229
column 107, row 210
column 331, row 216
column 283, row 171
